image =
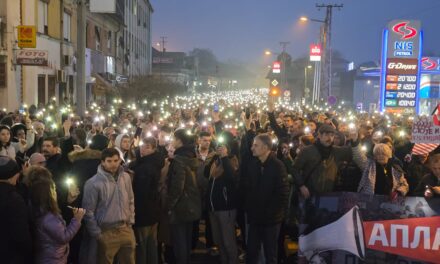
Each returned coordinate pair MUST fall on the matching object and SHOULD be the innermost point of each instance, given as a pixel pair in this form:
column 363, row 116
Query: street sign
column 27, row 36
column 32, row 57
column 274, row 89
column 331, row 100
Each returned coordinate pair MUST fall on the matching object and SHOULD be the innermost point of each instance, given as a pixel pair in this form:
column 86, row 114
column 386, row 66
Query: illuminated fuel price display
column 401, row 85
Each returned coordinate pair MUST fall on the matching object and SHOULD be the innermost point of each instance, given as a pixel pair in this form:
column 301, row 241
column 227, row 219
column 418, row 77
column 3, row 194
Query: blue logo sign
column 403, row 48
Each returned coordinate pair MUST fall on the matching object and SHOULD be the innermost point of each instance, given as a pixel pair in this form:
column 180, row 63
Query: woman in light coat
column 381, row 175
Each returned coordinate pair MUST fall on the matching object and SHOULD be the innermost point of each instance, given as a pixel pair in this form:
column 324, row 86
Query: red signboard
column 276, row 67
column 315, row 52
column 417, row 238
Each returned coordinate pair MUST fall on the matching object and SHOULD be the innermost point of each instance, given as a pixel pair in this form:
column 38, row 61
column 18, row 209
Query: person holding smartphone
column 51, row 233
column 222, row 197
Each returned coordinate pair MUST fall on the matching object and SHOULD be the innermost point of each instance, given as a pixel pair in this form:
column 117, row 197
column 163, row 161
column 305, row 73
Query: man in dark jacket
column 183, row 201
column 15, row 236
column 147, row 171
column 316, row 168
column 267, row 193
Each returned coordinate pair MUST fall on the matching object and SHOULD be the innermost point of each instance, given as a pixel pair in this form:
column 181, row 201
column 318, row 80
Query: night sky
column 241, row 30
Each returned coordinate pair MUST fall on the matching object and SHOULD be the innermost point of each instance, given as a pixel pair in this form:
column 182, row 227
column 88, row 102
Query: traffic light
column 274, row 90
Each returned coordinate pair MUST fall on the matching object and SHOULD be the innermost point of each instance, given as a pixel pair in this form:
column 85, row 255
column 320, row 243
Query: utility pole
column 163, row 41
column 81, row 62
column 326, row 37
column 284, row 44
column 162, row 57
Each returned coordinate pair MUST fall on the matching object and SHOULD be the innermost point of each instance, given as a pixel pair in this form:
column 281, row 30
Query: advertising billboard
column 32, row 57
column 27, row 36
column 401, row 59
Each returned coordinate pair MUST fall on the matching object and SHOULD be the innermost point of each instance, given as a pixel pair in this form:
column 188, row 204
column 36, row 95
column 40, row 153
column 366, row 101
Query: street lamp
column 305, row 19
column 267, row 52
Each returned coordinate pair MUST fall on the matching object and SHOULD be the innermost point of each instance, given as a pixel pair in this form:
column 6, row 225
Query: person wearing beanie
column 15, row 235
column 99, row 142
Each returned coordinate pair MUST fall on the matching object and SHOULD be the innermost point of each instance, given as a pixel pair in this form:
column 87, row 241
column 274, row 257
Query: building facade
column 137, row 38
column 118, row 46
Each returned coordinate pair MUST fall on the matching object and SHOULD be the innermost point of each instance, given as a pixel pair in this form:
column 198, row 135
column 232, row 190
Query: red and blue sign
column 401, row 66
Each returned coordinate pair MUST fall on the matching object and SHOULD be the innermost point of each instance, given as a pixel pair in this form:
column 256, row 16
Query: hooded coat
column 147, row 171
column 118, row 140
column 183, row 201
column 84, row 165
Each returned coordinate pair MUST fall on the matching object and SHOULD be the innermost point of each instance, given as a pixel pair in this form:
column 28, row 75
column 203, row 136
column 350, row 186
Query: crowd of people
column 127, row 183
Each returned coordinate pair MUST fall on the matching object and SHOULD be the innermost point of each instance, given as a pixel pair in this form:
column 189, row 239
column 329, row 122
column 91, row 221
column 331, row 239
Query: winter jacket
column 368, row 180
column 202, row 175
column 146, row 188
column 320, row 174
column 183, row 200
column 84, row 166
column 267, row 191
column 109, row 202
column 8, row 151
column 53, row 237
column 415, row 171
column 15, row 235
column 222, row 190
column 427, row 180
column 15, row 148
column 280, row 132
column 246, row 157
column 59, row 164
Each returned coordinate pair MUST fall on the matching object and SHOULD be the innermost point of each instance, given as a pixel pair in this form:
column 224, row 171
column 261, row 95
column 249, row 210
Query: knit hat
column 99, row 142
column 8, row 168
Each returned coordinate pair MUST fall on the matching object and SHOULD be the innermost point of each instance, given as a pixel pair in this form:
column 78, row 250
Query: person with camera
column 52, row 235
column 222, row 198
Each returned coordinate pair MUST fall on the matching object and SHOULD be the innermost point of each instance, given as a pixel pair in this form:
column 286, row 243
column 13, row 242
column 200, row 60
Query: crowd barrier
column 356, row 228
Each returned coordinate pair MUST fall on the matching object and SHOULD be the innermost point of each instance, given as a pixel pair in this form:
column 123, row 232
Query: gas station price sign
column 400, row 70
column 401, row 84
